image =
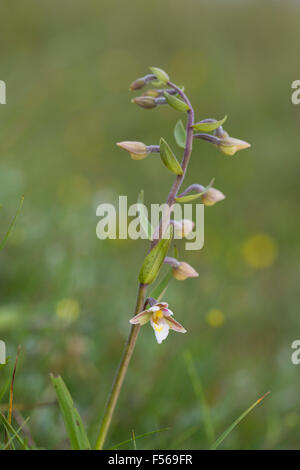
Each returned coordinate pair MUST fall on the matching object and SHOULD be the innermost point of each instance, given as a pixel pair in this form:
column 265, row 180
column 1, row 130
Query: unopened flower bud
column 230, row 145
column 137, row 84
column 146, row 102
column 182, row 228
column 137, row 150
column 211, row 196
column 183, row 271
column 153, row 93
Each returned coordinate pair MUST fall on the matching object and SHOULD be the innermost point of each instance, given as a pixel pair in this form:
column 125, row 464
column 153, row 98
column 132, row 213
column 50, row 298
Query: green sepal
column 208, row 126
column 192, row 197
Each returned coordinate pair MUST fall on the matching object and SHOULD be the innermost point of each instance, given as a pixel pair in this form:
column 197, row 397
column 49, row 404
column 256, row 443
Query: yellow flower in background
column 260, row 251
column 215, row 318
column 68, row 310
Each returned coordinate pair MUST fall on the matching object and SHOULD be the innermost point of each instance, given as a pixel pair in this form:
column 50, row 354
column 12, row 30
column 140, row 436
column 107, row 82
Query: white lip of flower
column 161, row 320
column 183, row 228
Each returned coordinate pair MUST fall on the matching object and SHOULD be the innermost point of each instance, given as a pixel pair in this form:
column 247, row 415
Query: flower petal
column 154, row 308
column 167, row 312
column 141, row 318
column 174, row 325
column 161, row 330
column 162, row 305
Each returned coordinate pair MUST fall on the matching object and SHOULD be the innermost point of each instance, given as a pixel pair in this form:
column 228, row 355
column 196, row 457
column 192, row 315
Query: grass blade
column 140, row 436
column 11, row 391
column 199, row 392
column 74, row 426
column 134, row 440
column 236, row 422
column 2, row 243
column 9, row 428
column 15, row 434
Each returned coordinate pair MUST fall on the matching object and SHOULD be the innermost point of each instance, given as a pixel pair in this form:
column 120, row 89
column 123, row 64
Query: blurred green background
column 66, row 296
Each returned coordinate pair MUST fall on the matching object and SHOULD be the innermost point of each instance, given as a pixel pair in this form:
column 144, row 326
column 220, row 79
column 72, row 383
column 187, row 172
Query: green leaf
column 140, row 436
column 15, row 434
column 146, row 225
column 160, row 74
column 155, row 259
column 236, row 422
column 169, row 159
column 192, row 197
column 10, row 430
column 161, row 288
column 12, row 224
column 72, row 419
column 180, row 134
column 208, row 126
column 199, row 392
column 176, row 103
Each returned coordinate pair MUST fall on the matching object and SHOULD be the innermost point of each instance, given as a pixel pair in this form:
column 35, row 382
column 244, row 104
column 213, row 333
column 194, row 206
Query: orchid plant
column 163, row 91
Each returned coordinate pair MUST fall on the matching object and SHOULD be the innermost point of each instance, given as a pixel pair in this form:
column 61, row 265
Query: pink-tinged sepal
column 174, row 325
column 141, row 318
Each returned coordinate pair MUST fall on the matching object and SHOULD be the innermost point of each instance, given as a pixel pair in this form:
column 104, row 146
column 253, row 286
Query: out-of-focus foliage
column 67, row 296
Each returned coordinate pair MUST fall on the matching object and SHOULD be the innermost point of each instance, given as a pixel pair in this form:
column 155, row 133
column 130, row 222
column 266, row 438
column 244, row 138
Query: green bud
column 153, row 93
column 160, row 74
column 146, row 102
column 137, row 84
column 176, row 103
column 169, row 159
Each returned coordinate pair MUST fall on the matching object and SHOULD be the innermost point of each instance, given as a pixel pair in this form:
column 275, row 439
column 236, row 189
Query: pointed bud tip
column 212, row 196
column 184, row 271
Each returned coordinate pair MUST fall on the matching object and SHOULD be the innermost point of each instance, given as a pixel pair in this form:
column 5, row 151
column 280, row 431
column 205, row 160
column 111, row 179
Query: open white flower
column 160, row 317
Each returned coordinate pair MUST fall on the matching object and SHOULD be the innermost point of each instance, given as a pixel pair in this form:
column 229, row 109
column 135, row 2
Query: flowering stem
column 188, row 145
column 122, row 369
column 121, row 372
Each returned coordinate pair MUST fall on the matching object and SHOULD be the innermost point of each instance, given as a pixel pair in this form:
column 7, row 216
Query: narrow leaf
column 154, row 260
column 12, row 224
column 199, row 392
column 11, row 391
column 140, row 436
column 10, row 429
column 146, row 225
column 169, row 159
column 161, row 288
column 176, row 103
column 75, row 429
column 180, row 134
column 208, row 126
column 15, row 434
column 160, row 74
column 236, row 422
